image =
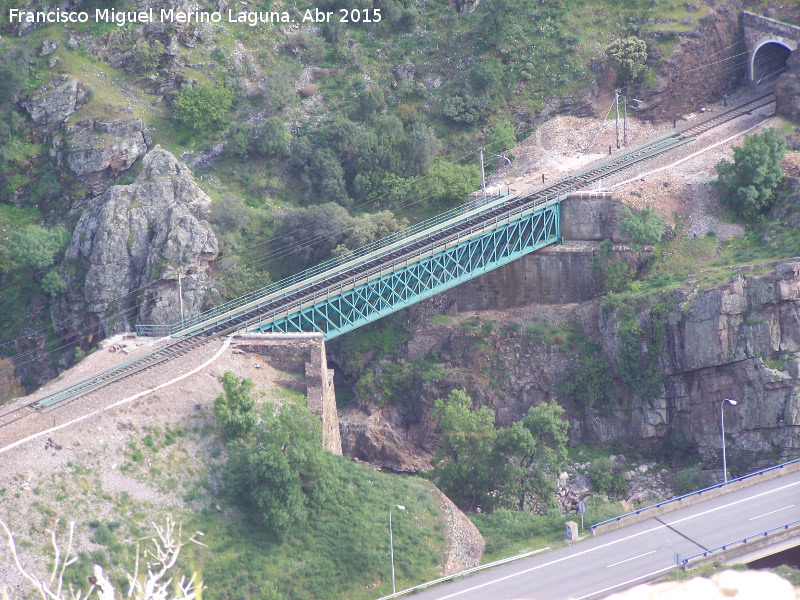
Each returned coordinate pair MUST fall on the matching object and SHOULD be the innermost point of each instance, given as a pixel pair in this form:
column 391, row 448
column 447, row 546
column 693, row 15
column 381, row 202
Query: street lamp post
column 722, row 425
column 391, row 542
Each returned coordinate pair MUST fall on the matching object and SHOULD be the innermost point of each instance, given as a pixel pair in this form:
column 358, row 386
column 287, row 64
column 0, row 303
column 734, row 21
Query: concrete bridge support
column 301, row 354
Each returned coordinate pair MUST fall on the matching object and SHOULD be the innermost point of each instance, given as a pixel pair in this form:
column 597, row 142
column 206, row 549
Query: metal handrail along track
column 438, row 231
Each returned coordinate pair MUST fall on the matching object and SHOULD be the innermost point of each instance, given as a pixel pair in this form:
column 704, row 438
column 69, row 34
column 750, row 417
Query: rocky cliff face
column 54, row 102
column 129, row 246
column 741, row 341
column 787, row 89
column 97, row 151
column 688, row 79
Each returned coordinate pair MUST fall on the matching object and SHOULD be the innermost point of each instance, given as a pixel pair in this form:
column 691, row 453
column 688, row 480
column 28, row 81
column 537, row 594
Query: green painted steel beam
column 414, row 278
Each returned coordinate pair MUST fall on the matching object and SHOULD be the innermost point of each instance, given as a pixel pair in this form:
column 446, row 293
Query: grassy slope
column 341, row 553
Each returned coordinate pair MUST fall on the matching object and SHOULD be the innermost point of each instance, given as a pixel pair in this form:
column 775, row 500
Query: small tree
column 628, row 57
column 161, row 558
column 748, row 184
column 52, row 284
column 14, row 67
column 281, row 470
column 279, row 91
column 234, row 408
column 645, row 227
column 447, row 184
column 605, row 478
column 270, row 138
column 531, row 451
column 199, row 107
column 461, row 464
column 486, row 74
column 370, row 102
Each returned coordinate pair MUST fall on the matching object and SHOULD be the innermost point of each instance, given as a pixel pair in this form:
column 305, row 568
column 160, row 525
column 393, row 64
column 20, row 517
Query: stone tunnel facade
column 769, row 44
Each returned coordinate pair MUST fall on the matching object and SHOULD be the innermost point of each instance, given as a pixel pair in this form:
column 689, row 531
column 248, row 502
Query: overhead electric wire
column 405, row 202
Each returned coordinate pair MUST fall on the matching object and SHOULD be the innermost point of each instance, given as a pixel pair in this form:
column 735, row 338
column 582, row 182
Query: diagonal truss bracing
column 414, row 277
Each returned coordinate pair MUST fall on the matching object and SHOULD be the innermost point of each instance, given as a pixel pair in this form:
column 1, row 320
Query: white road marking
column 558, row 560
column 770, row 513
column 121, row 402
column 630, row 559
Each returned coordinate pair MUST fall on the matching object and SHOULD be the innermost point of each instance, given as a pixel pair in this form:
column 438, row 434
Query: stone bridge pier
column 769, row 44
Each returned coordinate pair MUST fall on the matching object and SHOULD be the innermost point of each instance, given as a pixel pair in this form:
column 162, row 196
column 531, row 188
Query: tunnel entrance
column 790, row 558
column 769, row 61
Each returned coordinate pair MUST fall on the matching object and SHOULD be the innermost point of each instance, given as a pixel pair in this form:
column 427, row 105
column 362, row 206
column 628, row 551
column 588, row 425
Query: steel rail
column 497, row 212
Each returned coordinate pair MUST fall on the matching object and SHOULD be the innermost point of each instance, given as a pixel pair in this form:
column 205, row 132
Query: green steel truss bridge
column 349, row 291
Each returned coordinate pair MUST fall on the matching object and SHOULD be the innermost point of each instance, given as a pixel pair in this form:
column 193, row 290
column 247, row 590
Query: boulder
column 55, row 101
column 580, row 486
column 100, row 150
column 787, row 89
column 371, row 438
column 49, row 47
column 135, row 239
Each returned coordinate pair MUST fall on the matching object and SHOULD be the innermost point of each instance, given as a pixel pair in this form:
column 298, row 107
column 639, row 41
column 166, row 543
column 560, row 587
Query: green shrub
column 628, row 57
column 270, row 138
column 202, row 106
column 36, row 247
column 605, row 478
column 146, row 56
column 748, row 184
column 233, row 409
column 644, row 228
column 617, row 276
column 486, row 74
column 690, row 480
column 370, row 103
column 467, row 109
column 279, row 90
column 53, row 285
column 281, row 471
column 501, row 137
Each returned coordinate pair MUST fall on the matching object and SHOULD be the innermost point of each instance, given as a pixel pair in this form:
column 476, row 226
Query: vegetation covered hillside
column 311, row 138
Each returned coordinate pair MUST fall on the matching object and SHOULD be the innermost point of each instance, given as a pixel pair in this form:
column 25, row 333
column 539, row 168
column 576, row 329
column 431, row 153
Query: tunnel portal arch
column 768, row 58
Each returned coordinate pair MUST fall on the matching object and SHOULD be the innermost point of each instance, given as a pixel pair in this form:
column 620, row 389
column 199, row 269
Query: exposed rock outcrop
column 787, row 89
column 97, row 151
column 740, row 340
column 55, row 101
column 131, row 242
column 371, row 438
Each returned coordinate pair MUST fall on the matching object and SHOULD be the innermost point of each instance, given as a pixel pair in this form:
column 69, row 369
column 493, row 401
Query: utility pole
column 483, row 178
column 616, row 106
column 180, row 297
column 625, row 120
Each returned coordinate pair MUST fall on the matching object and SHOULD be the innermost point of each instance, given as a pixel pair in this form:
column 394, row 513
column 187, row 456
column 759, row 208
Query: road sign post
column 582, row 510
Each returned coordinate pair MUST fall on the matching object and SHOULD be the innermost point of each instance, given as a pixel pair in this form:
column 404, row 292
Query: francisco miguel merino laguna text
column 171, row 15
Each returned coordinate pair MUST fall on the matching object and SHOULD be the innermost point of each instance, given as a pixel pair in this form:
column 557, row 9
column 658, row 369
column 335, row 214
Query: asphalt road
column 608, row 563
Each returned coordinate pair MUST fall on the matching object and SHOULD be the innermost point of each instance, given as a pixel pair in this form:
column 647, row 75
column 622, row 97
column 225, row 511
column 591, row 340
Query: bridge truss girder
column 415, row 277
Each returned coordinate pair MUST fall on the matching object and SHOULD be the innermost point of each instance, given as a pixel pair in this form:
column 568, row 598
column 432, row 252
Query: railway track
column 233, row 322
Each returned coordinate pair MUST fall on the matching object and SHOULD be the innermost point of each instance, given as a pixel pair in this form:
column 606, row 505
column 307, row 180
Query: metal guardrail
column 695, row 493
column 328, row 265
column 749, row 538
column 333, row 263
